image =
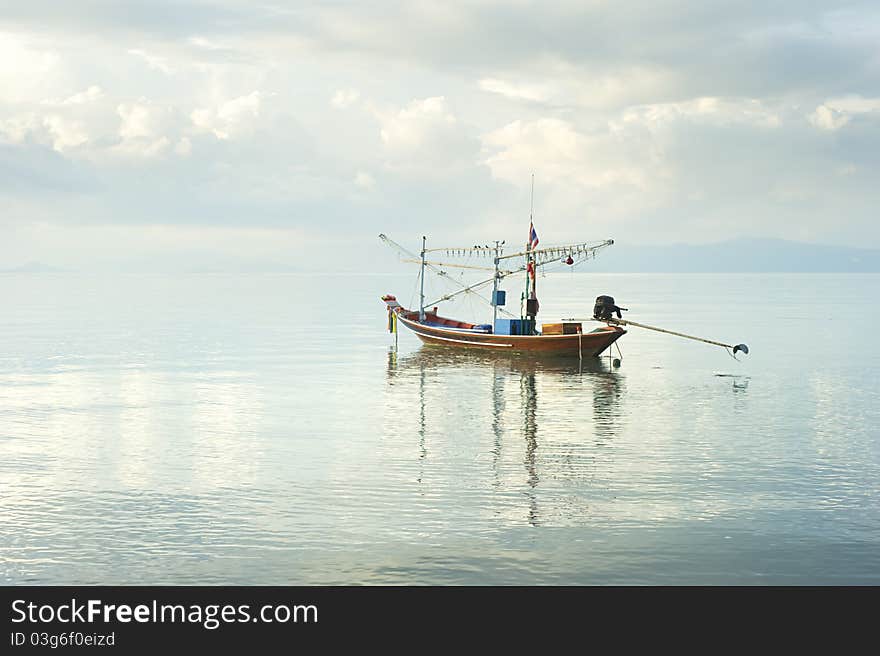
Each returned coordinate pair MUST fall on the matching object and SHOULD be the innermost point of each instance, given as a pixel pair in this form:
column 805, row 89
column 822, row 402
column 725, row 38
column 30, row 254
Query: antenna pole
column 422, row 290
column 532, row 201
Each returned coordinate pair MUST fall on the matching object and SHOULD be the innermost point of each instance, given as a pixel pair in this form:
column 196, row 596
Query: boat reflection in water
column 533, row 426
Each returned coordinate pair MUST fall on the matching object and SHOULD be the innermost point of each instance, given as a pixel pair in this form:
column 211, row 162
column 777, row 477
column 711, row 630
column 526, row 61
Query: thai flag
column 533, row 236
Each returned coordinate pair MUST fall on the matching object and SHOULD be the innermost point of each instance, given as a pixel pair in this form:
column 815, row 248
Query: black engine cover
column 605, row 308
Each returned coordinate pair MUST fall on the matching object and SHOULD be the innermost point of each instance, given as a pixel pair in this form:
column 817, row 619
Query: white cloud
column 202, row 42
column 26, row 66
column 833, row 114
column 711, row 110
column 562, row 154
column 90, row 95
column 411, row 127
column 183, row 147
column 444, row 110
column 425, row 137
column 15, row 129
column 554, row 81
column 138, row 120
column 144, row 147
column 533, row 92
column 578, row 172
column 828, row 118
column 344, row 98
column 143, row 129
column 229, row 118
column 80, row 126
column 156, row 62
column 65, row 132
column 855, row 104
column 364, row 180
column 54, row 130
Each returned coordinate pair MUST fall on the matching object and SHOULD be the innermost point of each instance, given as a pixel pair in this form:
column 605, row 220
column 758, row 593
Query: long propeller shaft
column 735, row 348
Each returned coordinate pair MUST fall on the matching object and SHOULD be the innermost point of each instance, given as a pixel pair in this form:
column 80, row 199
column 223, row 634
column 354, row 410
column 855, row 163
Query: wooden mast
column 422, row 290
column 524, row 312
column 531, row 226
column 495, row 286
column 531, row 261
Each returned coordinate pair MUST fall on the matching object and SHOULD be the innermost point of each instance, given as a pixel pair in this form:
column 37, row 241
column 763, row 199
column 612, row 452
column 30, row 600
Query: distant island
column 736, row 256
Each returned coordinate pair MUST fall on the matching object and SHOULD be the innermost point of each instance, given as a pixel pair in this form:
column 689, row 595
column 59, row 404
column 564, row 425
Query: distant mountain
column 739, row 255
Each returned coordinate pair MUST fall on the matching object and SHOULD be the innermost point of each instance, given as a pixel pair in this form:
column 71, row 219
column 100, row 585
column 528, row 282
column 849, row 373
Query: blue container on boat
column 502, row 326
column 513, row 327
column 499, row 297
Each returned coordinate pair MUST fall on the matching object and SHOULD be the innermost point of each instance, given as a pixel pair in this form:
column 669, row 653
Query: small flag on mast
column 533, row 236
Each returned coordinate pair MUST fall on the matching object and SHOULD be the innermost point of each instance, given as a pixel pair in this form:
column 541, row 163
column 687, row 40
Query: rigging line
column 583, row 249
column 460, row 252
column 431, row 267
column 465, row 288
column 412, row 296
column 586, row 248
column 442, row 274
column 469, row 290
column 448, row 264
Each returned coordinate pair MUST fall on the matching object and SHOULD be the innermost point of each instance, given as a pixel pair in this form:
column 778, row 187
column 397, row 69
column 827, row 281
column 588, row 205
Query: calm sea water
column 259, row 429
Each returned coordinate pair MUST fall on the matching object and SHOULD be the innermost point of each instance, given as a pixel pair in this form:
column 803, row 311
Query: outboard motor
column 605, row 309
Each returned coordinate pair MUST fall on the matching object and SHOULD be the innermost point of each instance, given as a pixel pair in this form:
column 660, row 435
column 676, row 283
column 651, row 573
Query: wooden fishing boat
column 434, row 329
column 514, row 333
column 517, row 334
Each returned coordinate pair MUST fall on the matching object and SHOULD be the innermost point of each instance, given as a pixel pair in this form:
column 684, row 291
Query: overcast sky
column 160, row 133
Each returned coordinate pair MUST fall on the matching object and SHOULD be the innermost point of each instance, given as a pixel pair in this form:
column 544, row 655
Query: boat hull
column 583, row 345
